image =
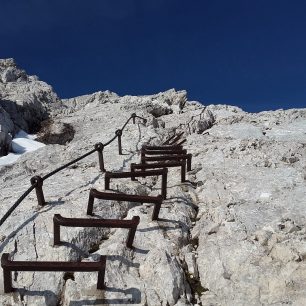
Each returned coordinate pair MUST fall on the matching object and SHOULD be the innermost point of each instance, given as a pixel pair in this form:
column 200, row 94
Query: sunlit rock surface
column 234, row 234
column 24, row 102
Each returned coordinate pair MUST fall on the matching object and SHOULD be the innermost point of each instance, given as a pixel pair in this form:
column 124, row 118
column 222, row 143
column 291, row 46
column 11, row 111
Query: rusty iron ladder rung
column 171, row 140
column 162, row 147
column 163, row 152
column 175, row 157
column 59, row 221
column 95, row 194
column 163, row 172
column 58, row 266
column 180, row 163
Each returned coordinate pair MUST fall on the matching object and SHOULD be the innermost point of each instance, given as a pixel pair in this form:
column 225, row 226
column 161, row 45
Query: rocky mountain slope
column 24, row 102
column 234, row 234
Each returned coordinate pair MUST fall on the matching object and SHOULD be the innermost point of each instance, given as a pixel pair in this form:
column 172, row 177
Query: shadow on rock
column 134, row 299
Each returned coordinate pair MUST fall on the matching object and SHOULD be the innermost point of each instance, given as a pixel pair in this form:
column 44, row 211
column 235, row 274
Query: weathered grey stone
column 9, row 71
column 233, row 234
column 6, row 132
column 26, row 100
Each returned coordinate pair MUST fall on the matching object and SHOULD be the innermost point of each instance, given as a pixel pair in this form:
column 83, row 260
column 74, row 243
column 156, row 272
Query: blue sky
column 249, row 53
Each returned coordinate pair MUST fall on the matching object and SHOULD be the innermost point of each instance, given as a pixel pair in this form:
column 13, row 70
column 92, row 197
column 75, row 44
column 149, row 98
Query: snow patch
column 22, row 143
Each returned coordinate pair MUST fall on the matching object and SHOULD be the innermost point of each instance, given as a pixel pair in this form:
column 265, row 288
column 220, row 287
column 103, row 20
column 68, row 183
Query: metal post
column 56, row 231
column 143, row 158
column 119, row 134
column 156, row 209
column 133, row 178
column 106, row 180
column 164, row 183
column 183, row 171
column 101, row 273
column 132, row 231
column 90, row 204
column 189, row 157
column 133, row 116
column 7, row 274
column 37, row 181
column 99, row 147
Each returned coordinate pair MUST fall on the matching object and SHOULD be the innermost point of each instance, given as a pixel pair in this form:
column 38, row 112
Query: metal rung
column 61, row 266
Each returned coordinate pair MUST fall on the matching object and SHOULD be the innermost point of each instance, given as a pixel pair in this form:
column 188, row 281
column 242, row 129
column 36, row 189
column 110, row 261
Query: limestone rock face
column 10, row 73
column 26, row 99
column 24, row 102
column 233, row 234
column 69, row 106
column 6, row 132
column 163, row 103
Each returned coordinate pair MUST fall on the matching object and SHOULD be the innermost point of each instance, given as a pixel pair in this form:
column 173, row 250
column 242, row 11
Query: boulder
column 55, row 132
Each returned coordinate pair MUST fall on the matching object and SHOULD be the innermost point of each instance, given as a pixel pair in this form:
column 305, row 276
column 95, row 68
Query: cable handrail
column 37, row 181
column 68, row 164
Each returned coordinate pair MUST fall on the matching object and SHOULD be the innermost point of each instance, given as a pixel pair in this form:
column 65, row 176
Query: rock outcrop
column 25, row 100
column 233, row 234
column 6, row 132
column 55, row 132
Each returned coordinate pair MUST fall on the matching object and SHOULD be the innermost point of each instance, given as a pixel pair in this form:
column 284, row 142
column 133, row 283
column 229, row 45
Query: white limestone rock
column 233, row 234
column 26, row 99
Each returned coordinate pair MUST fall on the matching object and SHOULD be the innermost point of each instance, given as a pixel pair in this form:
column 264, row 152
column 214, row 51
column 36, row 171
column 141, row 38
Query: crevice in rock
column 34, row 240
column 194, row 280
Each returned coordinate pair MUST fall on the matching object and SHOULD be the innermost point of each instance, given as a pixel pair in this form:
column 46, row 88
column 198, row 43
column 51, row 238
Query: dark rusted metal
column 133, row 117
column 163, row 172
column 58, row 221
column 119, row 134
column 175, row 139
column 165, row 148
column 181, row 142
column 37, row 182
column 99, row 147
column 58, row 266
column 167, row 142
column 163, row 152
column 95, row 194
column 187, row 157
column 180, row 163
column 13, row 207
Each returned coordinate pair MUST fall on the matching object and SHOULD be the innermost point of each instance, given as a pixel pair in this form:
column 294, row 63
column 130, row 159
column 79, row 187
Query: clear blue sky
column 250, row 53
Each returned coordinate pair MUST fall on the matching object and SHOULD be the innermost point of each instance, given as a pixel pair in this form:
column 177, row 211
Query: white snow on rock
column 22, row 143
